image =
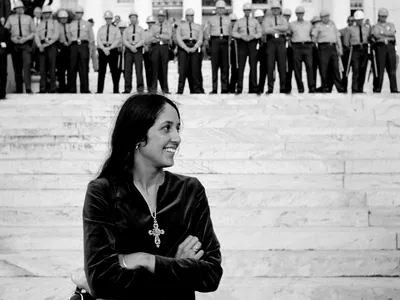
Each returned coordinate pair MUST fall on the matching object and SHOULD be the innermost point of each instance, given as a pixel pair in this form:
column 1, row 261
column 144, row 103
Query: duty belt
column 386, row 42
column 275, row 36
column 302, row 43
column 360, row 46
column 326, row 44
column 222, row 37
column 79, row 42
column 107, row 45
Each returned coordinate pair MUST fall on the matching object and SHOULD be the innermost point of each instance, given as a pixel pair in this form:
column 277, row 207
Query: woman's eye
column 166, row 128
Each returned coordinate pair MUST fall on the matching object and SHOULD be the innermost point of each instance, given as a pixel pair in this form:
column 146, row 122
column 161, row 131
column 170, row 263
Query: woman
column 148, row 232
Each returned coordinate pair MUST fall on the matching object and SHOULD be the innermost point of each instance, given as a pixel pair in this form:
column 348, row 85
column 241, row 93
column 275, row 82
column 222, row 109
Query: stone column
column 144, row 9
column 340, row 11
column 370, row 11
column 196, row 5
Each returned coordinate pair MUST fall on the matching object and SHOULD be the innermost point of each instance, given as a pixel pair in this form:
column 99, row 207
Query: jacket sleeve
column 202, row 275
column 106, row 278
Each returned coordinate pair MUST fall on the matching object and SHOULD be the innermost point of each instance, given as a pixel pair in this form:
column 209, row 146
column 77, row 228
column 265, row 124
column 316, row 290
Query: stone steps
column 304, row 190
column 236, row 264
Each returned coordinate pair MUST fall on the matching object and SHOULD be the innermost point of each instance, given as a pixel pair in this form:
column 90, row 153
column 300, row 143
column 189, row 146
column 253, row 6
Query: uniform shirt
column 86, row 31
column 114, row 36
column 214, row 26
column 384, row 32
column 164, row 30
column 52, row 32
column 139, row 36
column 300, row 31
column 65, row 33
column 37, row 21
column 352, row 35
column 189, row 31
column 147, row 36
column 246, row 26
column 275, row 24
column 27, row 26
column 326, row 33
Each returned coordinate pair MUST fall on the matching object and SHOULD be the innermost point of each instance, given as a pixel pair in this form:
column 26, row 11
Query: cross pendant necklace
column 156, row 231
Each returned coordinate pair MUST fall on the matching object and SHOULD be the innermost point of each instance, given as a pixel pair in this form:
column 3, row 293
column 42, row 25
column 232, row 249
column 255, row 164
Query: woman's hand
column 190, row 248
column 137, row 260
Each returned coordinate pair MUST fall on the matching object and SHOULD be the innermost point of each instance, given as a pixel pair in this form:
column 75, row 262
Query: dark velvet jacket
column 117, row 220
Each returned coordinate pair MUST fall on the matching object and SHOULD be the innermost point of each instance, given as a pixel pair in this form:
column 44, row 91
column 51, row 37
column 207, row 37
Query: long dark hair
column 136, row 116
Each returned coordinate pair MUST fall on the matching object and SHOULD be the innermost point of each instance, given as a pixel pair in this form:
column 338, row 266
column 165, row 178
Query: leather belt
column 326, row 44
column 275, row 36
column 219, row 37
column 79, row 42
column 302, row 43
column 360, row 46
column 385, row 43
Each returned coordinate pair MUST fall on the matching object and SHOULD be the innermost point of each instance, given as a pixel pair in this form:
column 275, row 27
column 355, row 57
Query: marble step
column 382, row 150
column 236, row 264
column 251, row 238
column 59, row 288
column 226, row 198
column 207, row 166
column 213, row 181
column 222, row 217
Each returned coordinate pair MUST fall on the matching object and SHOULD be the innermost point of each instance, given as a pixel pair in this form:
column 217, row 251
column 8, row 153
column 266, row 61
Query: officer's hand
column 340, row 52
column 41, row 48
column 2, row 20
column 251, row 37
column 22, row 40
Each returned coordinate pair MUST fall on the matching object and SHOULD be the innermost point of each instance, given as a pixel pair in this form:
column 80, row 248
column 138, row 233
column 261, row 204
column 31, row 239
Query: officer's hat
column 316, row 19
column 189, row 12
column 108, row 15
column 275, row 4
column 79, row 9
column 247, row 6
column 324, row 13
column 18, row 4
column 63, row 14
column 122, row 24
column 358, row 15
column 258, row 13
column 220, row 4
column 47, row 9
column 133, row 13
column 287, row 12
column 383, row 12
column 233, row 17
column 150, row 19
column 300, row 10
column 161, row 12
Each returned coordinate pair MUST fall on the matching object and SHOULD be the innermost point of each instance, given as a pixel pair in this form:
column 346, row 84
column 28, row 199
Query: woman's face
column 163, row 139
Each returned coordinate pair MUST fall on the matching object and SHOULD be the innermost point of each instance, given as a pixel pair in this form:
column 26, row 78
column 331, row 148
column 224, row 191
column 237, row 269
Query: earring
column 137, row 147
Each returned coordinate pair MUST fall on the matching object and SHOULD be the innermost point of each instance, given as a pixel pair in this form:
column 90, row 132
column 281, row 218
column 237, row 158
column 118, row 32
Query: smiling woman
column 148, row 232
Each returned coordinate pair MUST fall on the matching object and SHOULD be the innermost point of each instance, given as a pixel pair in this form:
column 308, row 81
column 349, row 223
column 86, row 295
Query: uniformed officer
column 147, row 50
column 93, row 51
column 64, row 52
column 47, row 34
column 247, row 32
column 357, row 38
column 37, row 19
column 261, row 57
column 218, row 34
column 327, row 37
column 314, row 22
column 287, row 13
column 122, row 25
column 189, row 36
column 233, row 57
column 4, row 50
column 108, row 41
column 22, row 31
column 276, row 27
column 302, row 50
column 346, row 50
column 81, row 36
column 161, row 37
column 383, row 35
column 133, row 40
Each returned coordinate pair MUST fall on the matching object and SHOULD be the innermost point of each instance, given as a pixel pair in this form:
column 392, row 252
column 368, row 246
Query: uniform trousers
column 137, row 59
column 3, row 73
column 359, row 61
column 63, row 59
column 234, row 62
column 79, row 61
column 189, row 67
column 147, row 67
column 329, row 67
column 276, row 52
column 289, row 69
column 247, row 49
column 303, row 52
column 345, row 61
column 159, row 63
column 21, row 57
column 47, row 65
column 219, row 60
column 385, row 59
column 112, row 61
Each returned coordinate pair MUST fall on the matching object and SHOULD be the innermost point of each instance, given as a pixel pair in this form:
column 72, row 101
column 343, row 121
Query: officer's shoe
column 269, row 92
column 29, row 92
column 126, row 92
column 179, row 92
column 213, row 92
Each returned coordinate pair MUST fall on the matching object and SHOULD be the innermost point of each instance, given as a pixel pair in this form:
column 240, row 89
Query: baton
column 349, row 61
column 374, row 63
column 236, row 54
column 341, row 69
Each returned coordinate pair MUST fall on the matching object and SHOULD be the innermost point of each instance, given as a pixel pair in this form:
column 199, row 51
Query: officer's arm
column 140, row 43
column 376, row 33
column 235, row 30
column 117, row 40
column 56, row 33
column 339, row 46
column 125, row 41
column 32, row 29
column 268, row 29
column 258, row 33
column 91, row 35
column 37, row 39
column 207, row 30
column 199, row 38
column 99, row 42
column 314, row 34
column 390, row 33
column 179, row 37
column 283, row 28
column 8, row 23
column 346, row 38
